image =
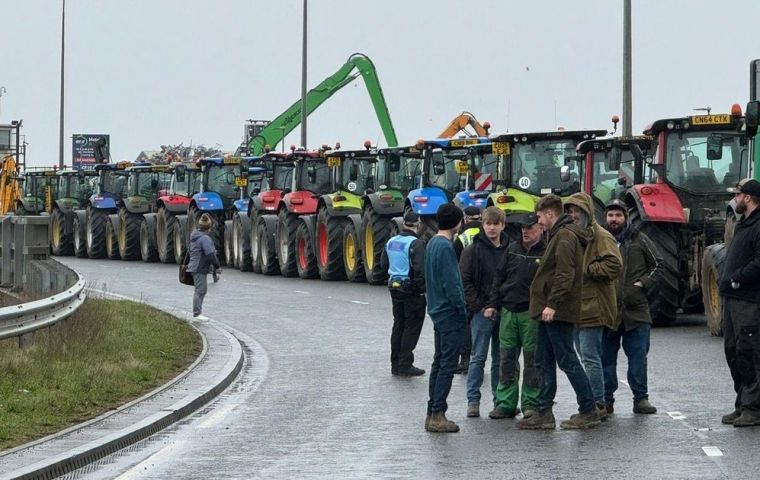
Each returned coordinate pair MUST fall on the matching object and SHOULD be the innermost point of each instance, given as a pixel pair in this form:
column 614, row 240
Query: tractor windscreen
column 282, row 176
column 705, row 161
column 606, row 184
column 145, row 184
column 399, row 172
column 221, row 179
column 357, row 174
column 536, row 167
column 442, row 169
column 489, row 165
column 75, row 186
column 314, row 177
column 35, row 185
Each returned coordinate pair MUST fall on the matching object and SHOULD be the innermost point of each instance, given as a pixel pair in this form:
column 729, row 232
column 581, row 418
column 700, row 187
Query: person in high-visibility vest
column 404, row 259
column 471, row 226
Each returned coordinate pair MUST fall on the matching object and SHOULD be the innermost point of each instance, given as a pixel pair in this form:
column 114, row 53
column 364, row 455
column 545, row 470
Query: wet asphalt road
column 317, row 399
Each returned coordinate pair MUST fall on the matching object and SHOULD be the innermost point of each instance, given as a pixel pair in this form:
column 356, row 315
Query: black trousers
column 408, row 316
column 741, row 337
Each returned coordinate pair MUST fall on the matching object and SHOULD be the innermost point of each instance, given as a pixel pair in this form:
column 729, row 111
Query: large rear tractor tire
column 665, row 302
column 216, row 232
column 377, row 231
column 267, row 248
column 306, row 257
column 287, row 223
column 79, row 231
column 428, row 227
column 180, row 239
column 61, row 242
column 241, row 238
column 712, row 266
column 352, row 254
column 148, row 247
column 330, row 246
column 96, row 233
column 255, row 245
column 112, row 240
column 229, row 254
column 129, row 234
column 165, row 221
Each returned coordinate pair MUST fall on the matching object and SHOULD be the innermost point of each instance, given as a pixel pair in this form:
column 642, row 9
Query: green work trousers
column 517, row 331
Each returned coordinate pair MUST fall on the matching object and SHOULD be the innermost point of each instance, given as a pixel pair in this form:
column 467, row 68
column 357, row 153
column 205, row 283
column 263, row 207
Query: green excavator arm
column 287, row 121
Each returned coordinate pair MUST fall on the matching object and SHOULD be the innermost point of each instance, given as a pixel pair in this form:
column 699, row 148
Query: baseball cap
column 616, row 204
column 523, row 219
column 411, row 218
column 473, row 212
column 748, row 186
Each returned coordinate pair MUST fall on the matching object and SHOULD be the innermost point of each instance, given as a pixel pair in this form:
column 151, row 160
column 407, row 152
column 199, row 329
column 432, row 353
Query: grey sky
column 169, row 71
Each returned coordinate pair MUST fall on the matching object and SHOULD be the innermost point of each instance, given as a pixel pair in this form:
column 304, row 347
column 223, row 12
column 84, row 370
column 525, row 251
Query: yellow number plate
column 123, row 165
column 232, row 161
column 333, row 161
column 500, row 148
column 463, row 142
column 710, row 119
column 241, row 182
column 49, row 174
column 461, row 167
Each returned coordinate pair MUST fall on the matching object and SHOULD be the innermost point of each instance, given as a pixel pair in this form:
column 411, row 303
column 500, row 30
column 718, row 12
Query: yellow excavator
column 460, row 124
column 10, row 192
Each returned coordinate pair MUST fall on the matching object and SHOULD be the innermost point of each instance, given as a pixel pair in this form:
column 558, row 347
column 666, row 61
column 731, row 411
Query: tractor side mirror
column 180, row 172
column 637, row 153
column 439, row 164
column 311, row 172
column 564, row 173
column 752, row 118
column 353, row 172
column 714, row 147
column 229, row 178
column 613, row 159
column 101, row 150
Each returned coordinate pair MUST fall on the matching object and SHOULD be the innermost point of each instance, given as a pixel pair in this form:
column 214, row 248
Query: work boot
column 602, row 409
column 581, row 421
column 440, row 424
column 427, row 422
column 747, row 419
column 731, row 417
column 610, row 408
column 500, row 412
column 529, row 413
column 538, row 421
column 464, row 364
column 473, row 410
column 643, row 406
column 410, row 371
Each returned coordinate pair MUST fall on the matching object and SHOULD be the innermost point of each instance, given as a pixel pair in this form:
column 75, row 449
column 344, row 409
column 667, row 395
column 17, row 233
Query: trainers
column 500, row 412
column 581, row 421
column 440, row 424
column 538, row 421
column 747, row 419
column 473, row 410
column 410, row 372
column 200, row 318
column 731, row 417
column 643, row 406
column 602, row 410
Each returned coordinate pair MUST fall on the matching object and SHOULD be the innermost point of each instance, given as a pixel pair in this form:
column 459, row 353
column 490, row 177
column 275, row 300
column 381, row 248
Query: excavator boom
column 286, row 122
column 10, row 192
column 461, row 122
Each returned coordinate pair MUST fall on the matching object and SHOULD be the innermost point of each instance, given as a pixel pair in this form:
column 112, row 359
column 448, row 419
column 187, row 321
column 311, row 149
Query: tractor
column 74, row 188
column 171, row 211
column 39, row 188
column 92, row 222
column 237, row 241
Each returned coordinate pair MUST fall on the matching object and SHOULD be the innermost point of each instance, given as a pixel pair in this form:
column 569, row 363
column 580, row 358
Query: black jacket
column 416, row 284
column 743, row 261
column 478, row 268
column 511, row 284
column 641, row 263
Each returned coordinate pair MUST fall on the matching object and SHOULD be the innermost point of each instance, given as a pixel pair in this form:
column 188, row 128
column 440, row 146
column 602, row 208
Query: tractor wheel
column 712, row 266
column 165, row 222
column 97, row 221
column 229, row 254
column 428, row 227
column 287, row 223
column 112, row 241
column 241, row 233
column 664, row 304
column 217, row 227
column 148, row 248
column 129, row 234
column 61, row 242
column 180, row 239
column 330, row 246
column 352, row 254
column 306, row 258
column 377, row 231
column 267, row 249
column 255, row 246
column 80, row 237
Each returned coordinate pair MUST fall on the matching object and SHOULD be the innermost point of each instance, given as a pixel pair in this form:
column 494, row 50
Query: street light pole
column 303, row 81
column 60, row 121
column 627, row 63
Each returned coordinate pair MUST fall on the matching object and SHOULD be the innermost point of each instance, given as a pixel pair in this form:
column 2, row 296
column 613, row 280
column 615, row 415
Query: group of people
column 562, row 290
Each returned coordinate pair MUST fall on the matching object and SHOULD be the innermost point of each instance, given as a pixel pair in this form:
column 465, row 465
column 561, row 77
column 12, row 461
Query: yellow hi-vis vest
column 467, row 236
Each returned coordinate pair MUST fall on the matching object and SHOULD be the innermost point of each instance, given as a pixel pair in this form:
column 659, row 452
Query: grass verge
column 107, row 353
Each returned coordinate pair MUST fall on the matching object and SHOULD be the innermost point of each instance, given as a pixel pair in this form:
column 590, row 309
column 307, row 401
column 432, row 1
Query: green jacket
column 558, row 280
column 641, row 263
column 602, row 265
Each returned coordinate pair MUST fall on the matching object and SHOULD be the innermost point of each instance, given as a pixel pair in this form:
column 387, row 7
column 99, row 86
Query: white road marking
column 677, row 415
column 301, row 292
column 138, row 471
column 218, row 415
column 712, row 451
column 359, row 302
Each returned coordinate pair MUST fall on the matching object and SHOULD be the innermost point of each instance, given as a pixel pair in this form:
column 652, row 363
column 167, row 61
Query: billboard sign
column 83, row 150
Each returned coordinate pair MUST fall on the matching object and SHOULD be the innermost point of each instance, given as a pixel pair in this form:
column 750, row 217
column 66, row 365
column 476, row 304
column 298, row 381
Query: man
column 203, row 260
column 641, row 268
column 510, row 293
column 555, row 302
column 471, row 227
column 447, row 309
column 478, row 266
column 602, row 265
column 404, row 259
column 740, row 296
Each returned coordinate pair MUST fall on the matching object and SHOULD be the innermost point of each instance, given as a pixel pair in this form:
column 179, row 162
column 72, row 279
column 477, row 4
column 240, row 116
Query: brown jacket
column 602, row 265
column 558, row 281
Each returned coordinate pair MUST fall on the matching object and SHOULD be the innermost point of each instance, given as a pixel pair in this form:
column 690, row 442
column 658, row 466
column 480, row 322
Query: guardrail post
column 18, row 254
column 6, row 256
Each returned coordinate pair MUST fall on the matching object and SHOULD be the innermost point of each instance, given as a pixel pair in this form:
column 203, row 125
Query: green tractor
column 74, row 188
column 39, row 187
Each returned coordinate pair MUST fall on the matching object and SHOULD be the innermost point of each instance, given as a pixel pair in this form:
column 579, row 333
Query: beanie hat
column 205, row 222
column 616, row 204
column 472, row 212
column 448, row 216
column 411, row 218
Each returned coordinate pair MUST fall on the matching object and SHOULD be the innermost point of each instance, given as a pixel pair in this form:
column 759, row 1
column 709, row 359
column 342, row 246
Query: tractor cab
column 185, row 179
column 76, row 186
column 217, row 184
column 277, row 179
column 111, row 186
column 252, row 177
column 145, row 183
column 40, row 189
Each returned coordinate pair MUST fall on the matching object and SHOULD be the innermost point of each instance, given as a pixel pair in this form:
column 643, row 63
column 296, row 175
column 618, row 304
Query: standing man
column 555, row 303
column 740, row 296
column 511, row 294
column 602, row 265
column 471, row 227
column 478, row 266
column 203, row 260
column 641, row 268
column 446, row 307
column 404, row 259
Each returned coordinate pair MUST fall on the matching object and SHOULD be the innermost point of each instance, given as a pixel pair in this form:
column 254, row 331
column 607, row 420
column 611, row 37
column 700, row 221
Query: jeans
column 201, row 286
column 484, row 332
column 636, row 346
column 741, row 340
column 408, row 316
column 588, row 342
column 450, row 333
column 517, row 331
column 555, row 347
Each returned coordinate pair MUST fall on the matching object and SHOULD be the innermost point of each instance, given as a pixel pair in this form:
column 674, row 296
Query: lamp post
column 60, row 121
column 303, row 81
column 627, row 63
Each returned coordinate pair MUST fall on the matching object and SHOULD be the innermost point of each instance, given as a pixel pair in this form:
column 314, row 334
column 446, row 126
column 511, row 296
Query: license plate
column 710, row 119
column 333, row 161
column 500, row 148
column 241, row 182
column 463, row 142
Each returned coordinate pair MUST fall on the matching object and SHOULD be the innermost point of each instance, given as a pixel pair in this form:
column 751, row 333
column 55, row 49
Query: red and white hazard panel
column 483, row 181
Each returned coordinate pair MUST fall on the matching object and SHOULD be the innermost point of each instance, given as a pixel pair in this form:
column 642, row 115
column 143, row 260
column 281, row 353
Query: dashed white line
column 359, row 302
column 712, row 451
column 301, row 292
column 677, row 415
column 139, row 470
